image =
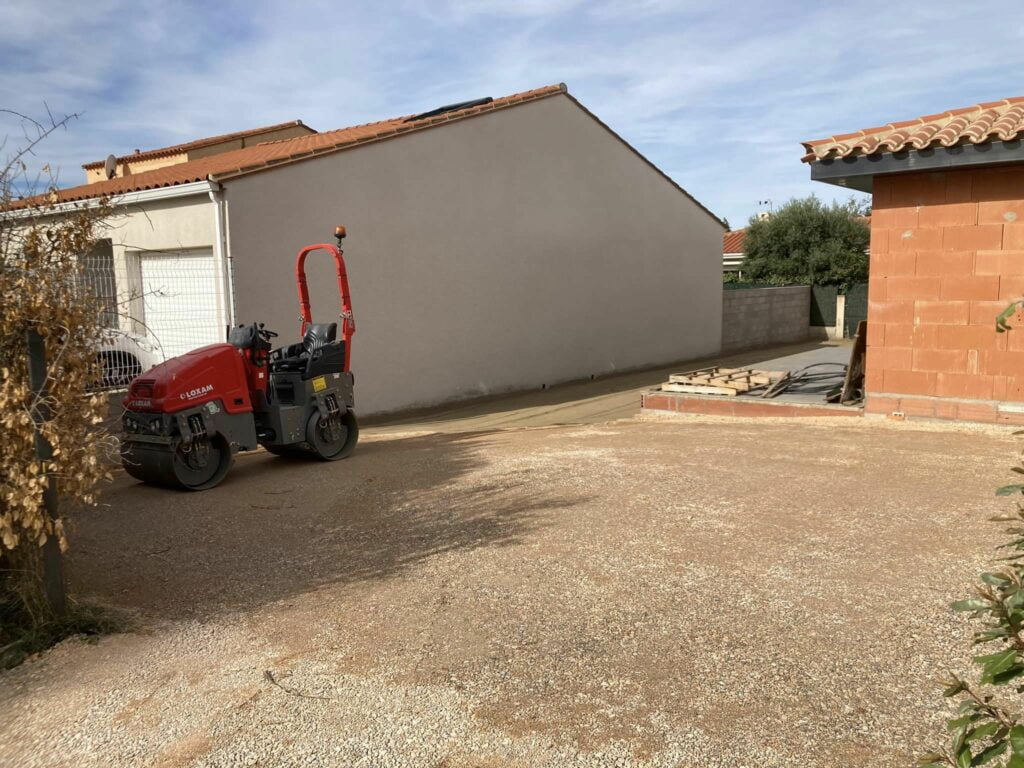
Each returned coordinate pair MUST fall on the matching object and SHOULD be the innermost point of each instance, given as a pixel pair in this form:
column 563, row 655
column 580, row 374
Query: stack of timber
column 721, row 381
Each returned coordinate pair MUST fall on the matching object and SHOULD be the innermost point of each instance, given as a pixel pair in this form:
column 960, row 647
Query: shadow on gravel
column 277, row 528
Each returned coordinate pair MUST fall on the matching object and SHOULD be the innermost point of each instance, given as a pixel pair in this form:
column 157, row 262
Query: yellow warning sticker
column 319, row 384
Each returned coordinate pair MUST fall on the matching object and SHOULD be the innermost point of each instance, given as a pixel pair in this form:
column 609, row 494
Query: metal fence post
column 53, row 563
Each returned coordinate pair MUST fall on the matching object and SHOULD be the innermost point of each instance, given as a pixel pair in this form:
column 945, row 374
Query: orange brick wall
column 947, row 255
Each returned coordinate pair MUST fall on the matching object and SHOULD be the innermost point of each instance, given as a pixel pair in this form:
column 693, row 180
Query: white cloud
column 717, row 95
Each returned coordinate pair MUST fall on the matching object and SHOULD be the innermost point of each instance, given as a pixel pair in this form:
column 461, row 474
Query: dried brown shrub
column 43, row 289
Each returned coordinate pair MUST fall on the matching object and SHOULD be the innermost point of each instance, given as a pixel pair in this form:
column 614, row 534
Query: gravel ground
column 662, row 592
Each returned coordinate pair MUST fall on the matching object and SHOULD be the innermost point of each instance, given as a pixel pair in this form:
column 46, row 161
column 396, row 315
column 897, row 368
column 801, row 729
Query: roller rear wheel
column 332, row 439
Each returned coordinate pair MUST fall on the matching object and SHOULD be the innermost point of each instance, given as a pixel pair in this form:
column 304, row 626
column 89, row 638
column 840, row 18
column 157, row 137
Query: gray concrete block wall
column 762, row 317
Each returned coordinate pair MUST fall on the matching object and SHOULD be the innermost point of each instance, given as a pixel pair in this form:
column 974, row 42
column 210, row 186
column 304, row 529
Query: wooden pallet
column 720, row 381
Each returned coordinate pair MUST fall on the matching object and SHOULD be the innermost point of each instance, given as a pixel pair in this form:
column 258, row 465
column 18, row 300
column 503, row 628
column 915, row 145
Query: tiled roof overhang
column 984, row 134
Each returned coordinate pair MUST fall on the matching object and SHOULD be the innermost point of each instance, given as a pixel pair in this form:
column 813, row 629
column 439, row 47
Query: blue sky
column 718, row 95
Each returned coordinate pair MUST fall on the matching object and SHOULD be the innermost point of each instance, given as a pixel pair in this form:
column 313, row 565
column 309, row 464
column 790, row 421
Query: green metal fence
column 743, row 286
column 823, row 305
column 856, row 308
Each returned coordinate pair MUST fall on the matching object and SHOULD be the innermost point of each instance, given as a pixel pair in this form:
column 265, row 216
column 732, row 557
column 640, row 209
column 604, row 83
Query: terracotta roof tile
column 982, row 123
column 271, row 153
column 177, row 149
column 732, row 242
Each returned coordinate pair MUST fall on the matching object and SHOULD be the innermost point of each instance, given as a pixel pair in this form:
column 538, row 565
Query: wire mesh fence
column 155, row 305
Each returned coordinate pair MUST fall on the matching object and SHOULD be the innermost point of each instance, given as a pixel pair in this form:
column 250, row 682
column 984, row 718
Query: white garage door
column 181, row 300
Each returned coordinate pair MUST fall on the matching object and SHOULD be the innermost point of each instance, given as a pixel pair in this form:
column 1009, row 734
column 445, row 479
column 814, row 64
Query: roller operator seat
column 296, row 357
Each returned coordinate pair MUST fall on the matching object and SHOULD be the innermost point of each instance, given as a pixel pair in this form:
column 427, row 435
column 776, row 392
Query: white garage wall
column 176, row 238
column 524, row 247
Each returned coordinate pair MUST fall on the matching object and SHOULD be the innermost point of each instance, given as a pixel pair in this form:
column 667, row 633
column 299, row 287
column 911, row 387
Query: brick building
column 947, row 255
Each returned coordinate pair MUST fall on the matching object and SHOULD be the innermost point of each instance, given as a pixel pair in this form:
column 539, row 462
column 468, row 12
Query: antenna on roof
column 450, row 108
column 110, row 166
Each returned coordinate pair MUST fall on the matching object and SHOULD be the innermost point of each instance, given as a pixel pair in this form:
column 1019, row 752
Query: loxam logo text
column 192, row 394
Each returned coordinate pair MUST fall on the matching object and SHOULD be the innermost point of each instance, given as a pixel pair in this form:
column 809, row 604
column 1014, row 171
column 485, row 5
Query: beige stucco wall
column 178, row 223
column 521, row 248
column 291, row 132
column 92, row 175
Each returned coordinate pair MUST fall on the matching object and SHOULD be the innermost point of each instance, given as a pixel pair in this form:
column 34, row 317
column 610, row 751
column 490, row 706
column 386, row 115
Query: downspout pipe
column 220, row 250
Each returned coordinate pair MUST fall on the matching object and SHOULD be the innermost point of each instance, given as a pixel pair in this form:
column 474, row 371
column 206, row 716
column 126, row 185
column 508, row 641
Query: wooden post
column 840, row 329
column 53, row 562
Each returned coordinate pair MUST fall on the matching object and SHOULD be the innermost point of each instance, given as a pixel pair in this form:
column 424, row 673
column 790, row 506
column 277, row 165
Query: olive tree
column 807, row 242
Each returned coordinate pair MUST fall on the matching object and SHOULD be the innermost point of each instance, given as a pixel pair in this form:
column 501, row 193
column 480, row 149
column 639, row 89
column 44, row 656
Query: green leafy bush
column 807, row 242
column 984, row 728
column 987, row 728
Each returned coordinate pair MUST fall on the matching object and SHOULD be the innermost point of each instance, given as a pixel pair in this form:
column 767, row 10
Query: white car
column 123, row 356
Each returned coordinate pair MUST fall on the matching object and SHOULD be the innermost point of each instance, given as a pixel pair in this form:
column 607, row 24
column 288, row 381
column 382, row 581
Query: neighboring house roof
column 267, row 154
column 732, row 250
column 271, row 154
column 178, row 149
column 732, row 242
column 979, row 124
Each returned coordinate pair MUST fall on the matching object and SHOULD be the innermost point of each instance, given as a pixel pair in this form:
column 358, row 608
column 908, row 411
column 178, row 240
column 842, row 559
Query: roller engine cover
column 214, row 372
column 186, row 418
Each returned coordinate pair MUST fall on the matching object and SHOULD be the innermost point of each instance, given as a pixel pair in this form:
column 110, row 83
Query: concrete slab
column 742, row 406
column 588, row 402
column 804, row 399
column 829, row 356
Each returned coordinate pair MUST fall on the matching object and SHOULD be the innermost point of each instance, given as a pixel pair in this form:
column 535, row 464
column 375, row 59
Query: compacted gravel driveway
column 684, row 592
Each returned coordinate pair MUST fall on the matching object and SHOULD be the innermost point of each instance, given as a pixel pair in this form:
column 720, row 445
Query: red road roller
column 185, row 419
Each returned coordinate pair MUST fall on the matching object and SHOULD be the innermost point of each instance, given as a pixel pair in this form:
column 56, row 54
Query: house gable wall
column 516, row 249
